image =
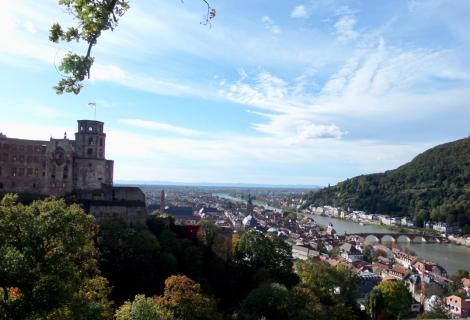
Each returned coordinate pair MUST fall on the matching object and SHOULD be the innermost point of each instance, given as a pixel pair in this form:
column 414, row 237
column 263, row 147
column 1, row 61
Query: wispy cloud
column 345, row 28
column 270, row 25
column 148, row 124
column 299, row 12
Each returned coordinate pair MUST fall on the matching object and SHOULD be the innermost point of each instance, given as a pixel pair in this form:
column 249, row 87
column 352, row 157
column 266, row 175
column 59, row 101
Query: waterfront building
column 442, row 228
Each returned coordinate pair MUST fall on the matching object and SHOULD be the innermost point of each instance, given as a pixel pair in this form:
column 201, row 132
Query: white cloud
column 270, row 25
column 379, row 84
column 313, row 131
column 148, row 83
column 299, row 12
column 148, row 124
column 344, row 28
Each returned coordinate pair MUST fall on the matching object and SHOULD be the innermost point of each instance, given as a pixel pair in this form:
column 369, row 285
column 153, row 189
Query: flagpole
column 93, row 106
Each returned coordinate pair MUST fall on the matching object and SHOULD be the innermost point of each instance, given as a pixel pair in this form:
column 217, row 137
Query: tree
column 48, row 266
column 270, row 300
column 266, row 254
column 456, row 285
column 388, row 300
column 141, row 308
column 129, row 259
column 331, row 285
column 93, row 17
column 304, row 305
column 206, row 233
column 183, row 300
column 368, row 253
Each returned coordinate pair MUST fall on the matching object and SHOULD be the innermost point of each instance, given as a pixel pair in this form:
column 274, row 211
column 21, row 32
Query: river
column 452, row 257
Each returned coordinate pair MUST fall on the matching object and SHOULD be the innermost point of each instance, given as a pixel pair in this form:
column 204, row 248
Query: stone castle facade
column 72, row 168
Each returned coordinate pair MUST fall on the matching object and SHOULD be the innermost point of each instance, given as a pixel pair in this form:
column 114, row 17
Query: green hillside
column 435, row 185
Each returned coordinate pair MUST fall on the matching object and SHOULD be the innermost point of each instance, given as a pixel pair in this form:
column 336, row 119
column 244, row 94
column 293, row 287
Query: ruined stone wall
column 59, row 167
column 90, row 174
column 134, row 215
column 23, row 165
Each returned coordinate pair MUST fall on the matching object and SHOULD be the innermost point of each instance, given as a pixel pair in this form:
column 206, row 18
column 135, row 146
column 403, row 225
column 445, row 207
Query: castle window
column 21, row 158
column 81, row 128
column 90, row 151
column 36, row 172
column 44, row 173
column 1, row 185
column 101, row 142
column 90, row 141
column 13, row 172
column 30, row 171
column 34, row 185
column 66, row 172
column 0, row 171
column 90, row 129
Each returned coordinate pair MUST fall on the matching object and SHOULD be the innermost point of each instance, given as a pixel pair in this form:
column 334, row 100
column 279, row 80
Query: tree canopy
column 48, row 266
column 388, row 300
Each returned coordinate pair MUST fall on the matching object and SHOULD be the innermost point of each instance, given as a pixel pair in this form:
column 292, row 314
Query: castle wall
column 77, row 167
column 23, row 165
column 59, row 167
column 90, row 174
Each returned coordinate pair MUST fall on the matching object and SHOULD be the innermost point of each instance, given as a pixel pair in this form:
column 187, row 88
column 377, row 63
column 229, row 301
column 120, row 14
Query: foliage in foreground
column 48, row 266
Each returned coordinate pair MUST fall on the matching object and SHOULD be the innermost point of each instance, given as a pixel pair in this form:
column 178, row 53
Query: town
column 372, row 259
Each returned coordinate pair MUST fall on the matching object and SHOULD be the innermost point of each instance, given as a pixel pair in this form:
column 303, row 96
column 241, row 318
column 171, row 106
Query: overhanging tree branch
column 93, row 17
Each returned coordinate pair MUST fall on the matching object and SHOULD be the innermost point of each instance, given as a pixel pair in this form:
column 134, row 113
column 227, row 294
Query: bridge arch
column 419, row 239
column 372, row 239
column 387, row 238
column 404, row 238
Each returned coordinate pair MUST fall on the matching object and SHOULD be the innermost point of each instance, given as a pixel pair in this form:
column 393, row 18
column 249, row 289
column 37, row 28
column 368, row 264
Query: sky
column 272, row 92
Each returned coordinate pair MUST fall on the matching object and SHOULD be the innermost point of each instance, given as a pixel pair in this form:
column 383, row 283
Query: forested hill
column 435, row 185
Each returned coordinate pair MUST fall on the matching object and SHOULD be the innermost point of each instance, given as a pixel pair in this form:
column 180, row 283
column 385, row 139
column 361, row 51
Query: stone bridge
column 403, row 237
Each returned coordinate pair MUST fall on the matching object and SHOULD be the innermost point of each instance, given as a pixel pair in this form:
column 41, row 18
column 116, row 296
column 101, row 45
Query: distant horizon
column 216, row 184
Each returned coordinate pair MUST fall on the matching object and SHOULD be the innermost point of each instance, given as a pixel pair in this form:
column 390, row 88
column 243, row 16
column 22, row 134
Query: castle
column 75, row 169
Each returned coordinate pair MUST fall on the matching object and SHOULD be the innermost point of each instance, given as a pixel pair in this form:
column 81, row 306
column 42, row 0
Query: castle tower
column 92, row 169
column 90, row 140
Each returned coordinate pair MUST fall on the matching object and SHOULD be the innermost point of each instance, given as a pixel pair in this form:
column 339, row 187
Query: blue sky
column 277, row 92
